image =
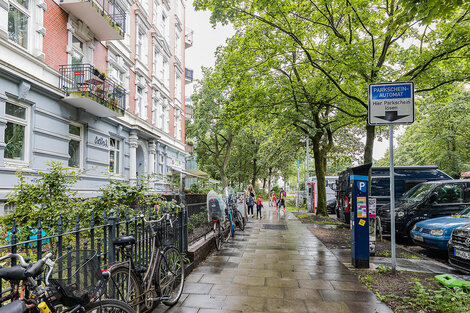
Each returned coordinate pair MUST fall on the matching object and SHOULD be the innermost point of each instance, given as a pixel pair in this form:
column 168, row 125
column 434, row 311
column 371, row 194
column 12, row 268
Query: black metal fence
column 88, row 81
column 100, row 237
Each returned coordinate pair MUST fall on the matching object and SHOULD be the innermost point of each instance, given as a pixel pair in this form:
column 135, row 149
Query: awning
column 189, row 173
column 198, row 173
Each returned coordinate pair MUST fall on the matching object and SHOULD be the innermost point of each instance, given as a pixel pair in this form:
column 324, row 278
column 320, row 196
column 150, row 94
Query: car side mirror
column 433, row 197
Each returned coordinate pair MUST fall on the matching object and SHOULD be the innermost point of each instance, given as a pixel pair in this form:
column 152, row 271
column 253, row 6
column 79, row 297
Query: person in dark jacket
column 250, row 199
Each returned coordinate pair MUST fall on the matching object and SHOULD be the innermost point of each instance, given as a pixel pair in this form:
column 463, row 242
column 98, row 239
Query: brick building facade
column 95, row 85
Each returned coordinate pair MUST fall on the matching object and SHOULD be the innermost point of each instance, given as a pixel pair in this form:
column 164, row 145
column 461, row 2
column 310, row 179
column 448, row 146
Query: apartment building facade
column 97, row 85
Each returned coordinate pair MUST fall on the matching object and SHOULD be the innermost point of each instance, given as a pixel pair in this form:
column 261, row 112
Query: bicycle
column 73, row 284
column 162, row 281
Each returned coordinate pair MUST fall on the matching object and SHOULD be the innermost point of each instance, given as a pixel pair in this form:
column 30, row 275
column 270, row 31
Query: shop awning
column 199, row 174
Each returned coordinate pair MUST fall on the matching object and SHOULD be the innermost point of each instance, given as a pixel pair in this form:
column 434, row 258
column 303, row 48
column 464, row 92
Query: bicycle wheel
column 170, row 273
column 124, row 285
column 239, row 220
column 109, row 306
column 226, row 231
column 217, row 236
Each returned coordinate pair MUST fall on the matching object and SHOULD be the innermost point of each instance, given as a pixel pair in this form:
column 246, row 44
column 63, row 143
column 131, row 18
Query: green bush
column 50, row 197
column 197, row 220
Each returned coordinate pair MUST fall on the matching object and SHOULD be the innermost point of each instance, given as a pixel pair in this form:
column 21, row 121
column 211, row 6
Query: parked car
column 406, row 177
column 425, row 201
column 331, row 206
column 459, row 248
column 435, row 233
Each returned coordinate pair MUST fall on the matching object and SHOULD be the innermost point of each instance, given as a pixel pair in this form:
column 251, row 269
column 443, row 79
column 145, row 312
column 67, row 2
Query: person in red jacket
column 259, row 205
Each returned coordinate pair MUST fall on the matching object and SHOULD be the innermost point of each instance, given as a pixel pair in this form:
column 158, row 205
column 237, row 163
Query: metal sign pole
column 392, row 201
column 298, row 179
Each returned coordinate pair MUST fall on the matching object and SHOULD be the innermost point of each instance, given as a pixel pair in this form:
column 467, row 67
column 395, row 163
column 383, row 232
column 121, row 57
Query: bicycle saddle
column 16, row 306
column 124, row 241
column 13, row 273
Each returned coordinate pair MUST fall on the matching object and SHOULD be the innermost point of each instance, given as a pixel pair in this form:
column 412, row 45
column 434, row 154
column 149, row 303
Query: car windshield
column 418, row 192
column 465, row 212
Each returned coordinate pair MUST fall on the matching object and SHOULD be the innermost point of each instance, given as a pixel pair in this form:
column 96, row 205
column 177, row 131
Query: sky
column 206, row 39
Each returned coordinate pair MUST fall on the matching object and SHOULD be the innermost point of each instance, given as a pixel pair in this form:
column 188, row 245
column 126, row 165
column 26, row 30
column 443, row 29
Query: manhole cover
column 275, row 226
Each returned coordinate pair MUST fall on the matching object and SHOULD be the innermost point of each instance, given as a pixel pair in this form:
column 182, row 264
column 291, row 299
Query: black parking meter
column 359, row 183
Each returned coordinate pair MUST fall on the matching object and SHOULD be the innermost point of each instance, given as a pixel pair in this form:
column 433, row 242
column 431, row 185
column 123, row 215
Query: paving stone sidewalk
column 276, row 265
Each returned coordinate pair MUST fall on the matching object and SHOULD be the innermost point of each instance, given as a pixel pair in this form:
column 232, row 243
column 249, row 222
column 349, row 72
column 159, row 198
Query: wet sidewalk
column 276, row 265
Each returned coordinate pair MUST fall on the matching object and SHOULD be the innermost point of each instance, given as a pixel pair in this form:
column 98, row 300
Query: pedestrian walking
column 250, row 200
column 281, row 202
column 259, row 205
column 274, row 201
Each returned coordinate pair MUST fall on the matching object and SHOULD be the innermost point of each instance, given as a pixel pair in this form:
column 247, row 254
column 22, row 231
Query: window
column 161, row 163
column 156, row 59
column 139, row 45
column 166, row 73
column 114, row 156
column 18, row 17
column 450, row 193
column 178, row 86
column 15, row 132
column 178, row 44
column 77, row 51
column 75, row 145
column 163, row 22
column 177, row 124
column 138, row 102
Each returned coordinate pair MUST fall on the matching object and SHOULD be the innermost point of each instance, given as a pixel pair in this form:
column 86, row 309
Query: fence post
column 127, row 221
column 112, row 235
column 77, row 232
column 13, row 240
column 38, row 239
column 60, row 243
column 105, row 238
column 92, row 230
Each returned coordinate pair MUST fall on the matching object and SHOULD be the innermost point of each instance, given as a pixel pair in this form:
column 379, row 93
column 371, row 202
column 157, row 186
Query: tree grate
column 275, row 226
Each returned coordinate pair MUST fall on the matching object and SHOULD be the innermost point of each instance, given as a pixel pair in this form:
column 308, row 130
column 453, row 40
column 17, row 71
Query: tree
column 433, row 139
column 352, row 43
column 213, row 134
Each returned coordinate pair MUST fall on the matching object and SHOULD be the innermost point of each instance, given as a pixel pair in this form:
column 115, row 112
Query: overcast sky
column 205, row 42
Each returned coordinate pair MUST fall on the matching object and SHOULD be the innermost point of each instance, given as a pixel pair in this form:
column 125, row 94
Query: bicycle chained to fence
column 224, row 216
column 162, row 280
column 73, row 284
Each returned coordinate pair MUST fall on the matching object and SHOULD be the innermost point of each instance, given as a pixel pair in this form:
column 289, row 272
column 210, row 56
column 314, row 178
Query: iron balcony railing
column 86, row 80
column 188, row 74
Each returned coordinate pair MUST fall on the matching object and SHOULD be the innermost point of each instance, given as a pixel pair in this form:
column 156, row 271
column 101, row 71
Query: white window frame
column 119, row 158
column 23, row 122
column 139, row 44
column 138, row 100
column 157, row 54
column 79, row 139
column 28, row 13
column 166, row 73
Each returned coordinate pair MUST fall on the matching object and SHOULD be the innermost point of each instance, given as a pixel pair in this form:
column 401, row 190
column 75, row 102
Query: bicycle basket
column 76, row 278
column 164, row 232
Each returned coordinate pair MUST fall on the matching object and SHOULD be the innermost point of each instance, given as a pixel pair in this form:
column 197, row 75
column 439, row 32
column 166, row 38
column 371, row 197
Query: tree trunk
column 269, row 181
column 253, row 179
column 369, row 147
column 264, row 183
column 320, row 172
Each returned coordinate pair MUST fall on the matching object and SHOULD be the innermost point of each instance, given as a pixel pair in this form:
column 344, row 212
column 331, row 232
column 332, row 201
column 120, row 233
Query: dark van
column 425, row 201
column 406, row 177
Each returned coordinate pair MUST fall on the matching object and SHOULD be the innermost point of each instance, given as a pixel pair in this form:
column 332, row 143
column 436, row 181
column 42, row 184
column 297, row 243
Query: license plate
column 418, row 238
column 462, row 254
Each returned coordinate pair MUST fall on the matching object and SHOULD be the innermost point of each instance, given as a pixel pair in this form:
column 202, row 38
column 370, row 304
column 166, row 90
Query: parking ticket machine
column 359, row 183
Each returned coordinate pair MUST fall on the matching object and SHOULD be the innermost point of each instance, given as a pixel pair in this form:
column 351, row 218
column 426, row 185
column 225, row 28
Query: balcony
column 188, row 39
column 188, row 76
column 104, row 18
column 85, row 87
